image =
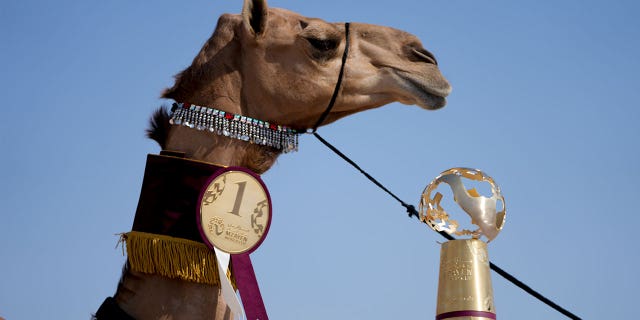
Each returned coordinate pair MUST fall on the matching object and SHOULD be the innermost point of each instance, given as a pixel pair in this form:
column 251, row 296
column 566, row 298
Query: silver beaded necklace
column 235, row 126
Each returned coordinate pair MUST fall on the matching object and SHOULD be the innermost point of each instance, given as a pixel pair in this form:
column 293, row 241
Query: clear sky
column 545, row 100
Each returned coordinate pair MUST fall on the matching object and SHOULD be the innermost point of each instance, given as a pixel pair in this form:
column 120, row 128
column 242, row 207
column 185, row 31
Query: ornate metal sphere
column 487, row 213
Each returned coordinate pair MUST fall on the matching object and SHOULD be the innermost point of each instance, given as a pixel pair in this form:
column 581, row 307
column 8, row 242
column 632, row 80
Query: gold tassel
column 171, row 257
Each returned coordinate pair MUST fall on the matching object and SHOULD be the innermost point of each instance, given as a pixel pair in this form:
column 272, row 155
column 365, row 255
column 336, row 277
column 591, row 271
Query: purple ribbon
column 248, row 286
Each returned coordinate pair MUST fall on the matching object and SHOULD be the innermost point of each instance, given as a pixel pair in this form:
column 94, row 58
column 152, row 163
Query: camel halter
column 336, row 90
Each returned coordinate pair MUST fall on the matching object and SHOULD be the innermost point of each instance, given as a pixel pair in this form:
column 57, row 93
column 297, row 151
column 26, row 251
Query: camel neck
column 148, row 296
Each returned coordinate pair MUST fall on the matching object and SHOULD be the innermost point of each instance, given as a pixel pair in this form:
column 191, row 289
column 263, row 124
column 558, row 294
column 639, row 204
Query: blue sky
column 545, row 100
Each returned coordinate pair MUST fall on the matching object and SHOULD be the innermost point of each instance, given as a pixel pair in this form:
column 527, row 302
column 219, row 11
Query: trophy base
column 464, row 284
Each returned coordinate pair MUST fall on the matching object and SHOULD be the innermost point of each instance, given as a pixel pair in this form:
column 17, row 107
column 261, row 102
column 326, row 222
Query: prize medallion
column 234, row 217
column 235, row 211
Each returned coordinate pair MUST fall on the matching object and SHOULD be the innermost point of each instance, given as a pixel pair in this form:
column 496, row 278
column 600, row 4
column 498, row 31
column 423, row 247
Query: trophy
column 464, row 283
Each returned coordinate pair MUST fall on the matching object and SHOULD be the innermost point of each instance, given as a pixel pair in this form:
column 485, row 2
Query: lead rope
column 411, row 210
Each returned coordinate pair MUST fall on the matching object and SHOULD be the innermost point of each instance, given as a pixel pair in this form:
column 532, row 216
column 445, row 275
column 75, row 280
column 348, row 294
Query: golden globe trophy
column 464, row 284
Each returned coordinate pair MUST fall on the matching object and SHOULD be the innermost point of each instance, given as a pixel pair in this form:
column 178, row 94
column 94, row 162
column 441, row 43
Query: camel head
column 276, row 65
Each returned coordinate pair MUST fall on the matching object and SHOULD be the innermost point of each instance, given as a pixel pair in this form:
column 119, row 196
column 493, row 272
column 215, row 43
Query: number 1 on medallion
column 236, row 205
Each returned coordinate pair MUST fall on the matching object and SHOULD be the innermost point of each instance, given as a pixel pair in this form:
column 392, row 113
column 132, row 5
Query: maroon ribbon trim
column 248, row 286
column 466, row 313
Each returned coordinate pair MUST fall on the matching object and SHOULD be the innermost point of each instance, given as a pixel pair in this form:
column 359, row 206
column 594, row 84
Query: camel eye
column 323, row 44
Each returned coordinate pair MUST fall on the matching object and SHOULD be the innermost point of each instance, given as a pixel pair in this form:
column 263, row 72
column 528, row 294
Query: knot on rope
column 411, row 210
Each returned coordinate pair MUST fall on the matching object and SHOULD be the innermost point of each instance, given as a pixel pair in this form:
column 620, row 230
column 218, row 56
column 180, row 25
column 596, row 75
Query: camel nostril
column 423, row 55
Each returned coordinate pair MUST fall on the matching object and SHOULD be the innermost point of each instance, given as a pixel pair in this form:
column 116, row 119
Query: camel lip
column 429, row 101
column 425, row 96
column 437, row 102
column 441, row 91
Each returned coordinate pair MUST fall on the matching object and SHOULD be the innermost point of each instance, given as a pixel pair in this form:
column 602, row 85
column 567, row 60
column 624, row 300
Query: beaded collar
column 235, row 126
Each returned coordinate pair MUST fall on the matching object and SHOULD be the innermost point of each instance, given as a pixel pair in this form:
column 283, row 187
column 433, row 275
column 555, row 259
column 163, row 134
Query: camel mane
column 158, row 129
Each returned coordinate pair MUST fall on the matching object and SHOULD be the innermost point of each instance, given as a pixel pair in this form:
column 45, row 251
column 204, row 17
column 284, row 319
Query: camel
column 279, row 67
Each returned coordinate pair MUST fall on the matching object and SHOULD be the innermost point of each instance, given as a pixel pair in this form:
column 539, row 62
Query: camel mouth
column 430, row 94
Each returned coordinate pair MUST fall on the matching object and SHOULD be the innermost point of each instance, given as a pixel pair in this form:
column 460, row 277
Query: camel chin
column 430, row 102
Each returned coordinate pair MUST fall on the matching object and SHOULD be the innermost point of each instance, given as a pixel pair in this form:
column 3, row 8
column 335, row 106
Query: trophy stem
column 464, row 285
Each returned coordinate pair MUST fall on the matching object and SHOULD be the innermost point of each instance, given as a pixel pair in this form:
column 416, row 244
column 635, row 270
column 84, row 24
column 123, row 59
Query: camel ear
column 254, row 16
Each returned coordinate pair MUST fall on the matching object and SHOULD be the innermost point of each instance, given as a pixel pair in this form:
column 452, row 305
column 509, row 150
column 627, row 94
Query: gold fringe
column 171, row 257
